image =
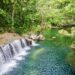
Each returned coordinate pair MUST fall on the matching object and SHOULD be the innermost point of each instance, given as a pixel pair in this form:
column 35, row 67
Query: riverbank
column 8, row 37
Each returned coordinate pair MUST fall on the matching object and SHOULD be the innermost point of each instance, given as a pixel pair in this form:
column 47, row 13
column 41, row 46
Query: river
column 47, row 59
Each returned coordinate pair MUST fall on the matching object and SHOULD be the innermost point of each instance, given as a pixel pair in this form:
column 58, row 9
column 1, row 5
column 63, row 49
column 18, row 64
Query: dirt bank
column 8, row 37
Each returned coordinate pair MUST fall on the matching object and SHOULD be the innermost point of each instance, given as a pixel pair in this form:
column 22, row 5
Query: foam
column 13, row 63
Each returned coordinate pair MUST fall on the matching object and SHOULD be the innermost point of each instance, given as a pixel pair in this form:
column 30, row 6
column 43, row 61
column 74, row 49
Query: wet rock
column 29, row 41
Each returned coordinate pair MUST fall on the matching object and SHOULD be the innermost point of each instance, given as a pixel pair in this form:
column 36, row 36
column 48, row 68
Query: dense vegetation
column 23, row 15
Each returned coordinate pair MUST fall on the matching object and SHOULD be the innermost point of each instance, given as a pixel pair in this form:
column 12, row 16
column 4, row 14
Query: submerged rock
column 72, row 46
column 64, row 32
column 73, row 31
column 53, row 37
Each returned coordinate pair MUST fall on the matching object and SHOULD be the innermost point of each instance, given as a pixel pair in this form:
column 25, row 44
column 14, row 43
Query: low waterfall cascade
column 13, row 51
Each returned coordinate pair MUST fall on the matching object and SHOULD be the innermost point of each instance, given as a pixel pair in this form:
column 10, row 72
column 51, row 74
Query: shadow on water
column 47, row 59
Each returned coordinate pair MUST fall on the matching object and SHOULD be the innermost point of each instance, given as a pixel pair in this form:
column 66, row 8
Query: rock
column 73, row 31
column 37, row 37
column 64, row 32
column 72, row 46
column 53, row 37
column 40, row 37
column 29, row 41
column 33, row 36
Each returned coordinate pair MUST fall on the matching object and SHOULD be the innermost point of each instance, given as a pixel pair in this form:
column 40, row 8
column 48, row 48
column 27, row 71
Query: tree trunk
column 13, row 11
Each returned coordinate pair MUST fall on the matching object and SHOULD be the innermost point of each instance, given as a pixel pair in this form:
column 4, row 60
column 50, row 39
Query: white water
column 13, row 52
column 34, row 44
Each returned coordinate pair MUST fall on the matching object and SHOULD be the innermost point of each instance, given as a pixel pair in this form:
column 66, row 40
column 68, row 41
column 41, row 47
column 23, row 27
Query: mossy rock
column 64, row 32
column 72, row 46
column 73, row 31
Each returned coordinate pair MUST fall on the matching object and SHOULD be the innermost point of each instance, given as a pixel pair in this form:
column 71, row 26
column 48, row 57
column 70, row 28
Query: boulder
column 64, row 32
column 73, row 31
column 72, row 46
column 37, row 37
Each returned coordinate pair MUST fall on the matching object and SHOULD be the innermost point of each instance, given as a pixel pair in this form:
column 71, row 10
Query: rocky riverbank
column 9, row 37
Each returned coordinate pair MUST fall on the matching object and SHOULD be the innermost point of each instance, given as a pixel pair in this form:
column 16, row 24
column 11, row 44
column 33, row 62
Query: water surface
column 47, row 59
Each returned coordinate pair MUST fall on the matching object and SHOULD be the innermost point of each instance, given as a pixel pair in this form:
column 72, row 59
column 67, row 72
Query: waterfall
column 13, row 51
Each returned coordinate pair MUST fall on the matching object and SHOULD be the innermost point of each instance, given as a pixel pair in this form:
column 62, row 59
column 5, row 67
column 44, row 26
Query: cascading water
column 14, row 51
column 24, row 44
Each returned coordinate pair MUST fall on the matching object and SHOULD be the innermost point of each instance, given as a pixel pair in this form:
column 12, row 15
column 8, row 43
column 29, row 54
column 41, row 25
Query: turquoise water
column 47, row 59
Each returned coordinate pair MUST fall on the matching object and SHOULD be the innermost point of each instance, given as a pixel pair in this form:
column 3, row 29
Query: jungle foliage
column 24, row 15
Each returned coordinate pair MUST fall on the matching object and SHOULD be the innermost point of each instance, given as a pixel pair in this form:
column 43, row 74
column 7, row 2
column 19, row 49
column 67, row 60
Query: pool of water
column 47, row 59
